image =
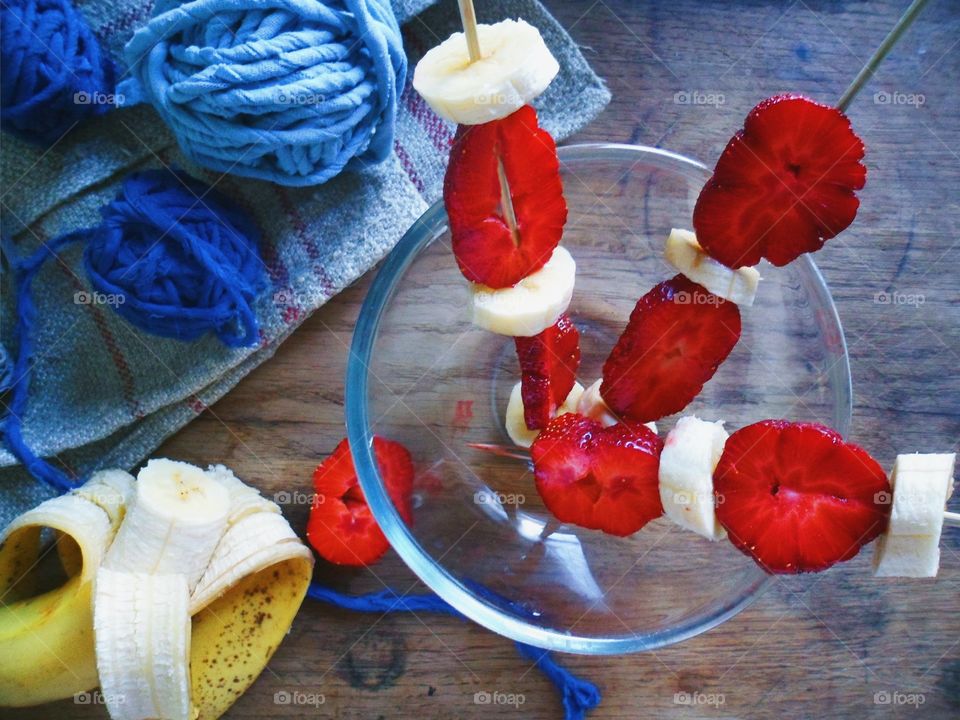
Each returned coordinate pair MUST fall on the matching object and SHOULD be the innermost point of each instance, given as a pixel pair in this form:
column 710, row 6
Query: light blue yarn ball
column 289, row 91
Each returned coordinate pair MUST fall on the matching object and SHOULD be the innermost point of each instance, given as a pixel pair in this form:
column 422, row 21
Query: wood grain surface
column 841, row 645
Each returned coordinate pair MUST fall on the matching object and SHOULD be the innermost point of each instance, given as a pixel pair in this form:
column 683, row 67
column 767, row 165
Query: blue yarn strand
column 578, row 696
column 24, row 272
column 53, row 72
column 173, row 257
column 291, row 91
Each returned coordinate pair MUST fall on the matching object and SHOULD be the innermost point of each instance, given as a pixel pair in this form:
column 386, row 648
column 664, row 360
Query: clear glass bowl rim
column 434, row 576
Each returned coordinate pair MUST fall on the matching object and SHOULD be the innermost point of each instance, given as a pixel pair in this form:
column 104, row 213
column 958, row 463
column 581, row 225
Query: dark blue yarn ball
column 179, row 259
column 54, row 73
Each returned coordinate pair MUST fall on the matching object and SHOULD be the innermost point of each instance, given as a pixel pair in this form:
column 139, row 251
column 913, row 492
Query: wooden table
column 839, row 645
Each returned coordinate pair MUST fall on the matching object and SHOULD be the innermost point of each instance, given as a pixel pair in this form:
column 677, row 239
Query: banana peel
column 47, row 641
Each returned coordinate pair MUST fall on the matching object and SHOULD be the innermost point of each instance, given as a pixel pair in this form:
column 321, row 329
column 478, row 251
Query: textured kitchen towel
column 104, row 394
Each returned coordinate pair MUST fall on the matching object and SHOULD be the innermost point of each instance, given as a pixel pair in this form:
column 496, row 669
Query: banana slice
column 922, row 484
column 685, row 254
column 244, row 499
column 914, row 556
column 516, row 66
column 593, row 406
column 142, row 628
column 515, row 423
column 690, row 455
column 532, row 305
column 175, row 523
column 47, row 639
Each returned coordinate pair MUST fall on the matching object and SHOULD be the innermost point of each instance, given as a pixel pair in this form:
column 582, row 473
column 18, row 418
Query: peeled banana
column 515, row 67
column 532, row 305
column 157, row 621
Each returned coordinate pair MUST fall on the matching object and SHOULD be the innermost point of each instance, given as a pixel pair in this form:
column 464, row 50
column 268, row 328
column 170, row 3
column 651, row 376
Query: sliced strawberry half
column 599, row 478
column 342, row 528
column 796, row 498
column 488, row 251
column 677, row 336
column 548, row 363
column 785, row 184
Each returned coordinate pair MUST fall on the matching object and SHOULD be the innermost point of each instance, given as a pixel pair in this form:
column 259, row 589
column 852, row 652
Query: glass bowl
column 422, row 374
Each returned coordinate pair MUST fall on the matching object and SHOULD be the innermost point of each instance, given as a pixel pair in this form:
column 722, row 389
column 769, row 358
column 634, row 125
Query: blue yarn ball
column 177, row 259
column 54, row 73
column 283, row 90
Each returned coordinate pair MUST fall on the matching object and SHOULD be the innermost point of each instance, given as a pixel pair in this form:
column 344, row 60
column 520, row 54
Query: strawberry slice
column 341, row 527
column 784, row 185
column 548, row 363
column 486, row 248
column 598, row 478
column 797, row 498
column 677, row 336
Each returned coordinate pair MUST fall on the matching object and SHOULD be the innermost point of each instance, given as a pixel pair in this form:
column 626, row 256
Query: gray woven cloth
column 103, row 393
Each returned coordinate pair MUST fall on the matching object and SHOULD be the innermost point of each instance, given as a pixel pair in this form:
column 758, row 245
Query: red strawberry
column 678, row 335
column 797, row 498
column 341, row 528
column 599, row 478
column 783, row 186
column 486, row 250
column 548, row 363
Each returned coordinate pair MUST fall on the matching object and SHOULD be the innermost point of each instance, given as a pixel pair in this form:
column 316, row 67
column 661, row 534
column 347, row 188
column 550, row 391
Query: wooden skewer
column 867, row 71
column 501, row 450
column 468, row 17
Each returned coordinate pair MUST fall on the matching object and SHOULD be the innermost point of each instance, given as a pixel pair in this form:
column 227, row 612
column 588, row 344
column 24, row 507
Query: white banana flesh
column 175, row 523
column 690, row 455
column 515, row 67
column 142, row 628
column 685, row 254
column 515, row 423
column 593, row 406
column 532, row 305
column 922, row 484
